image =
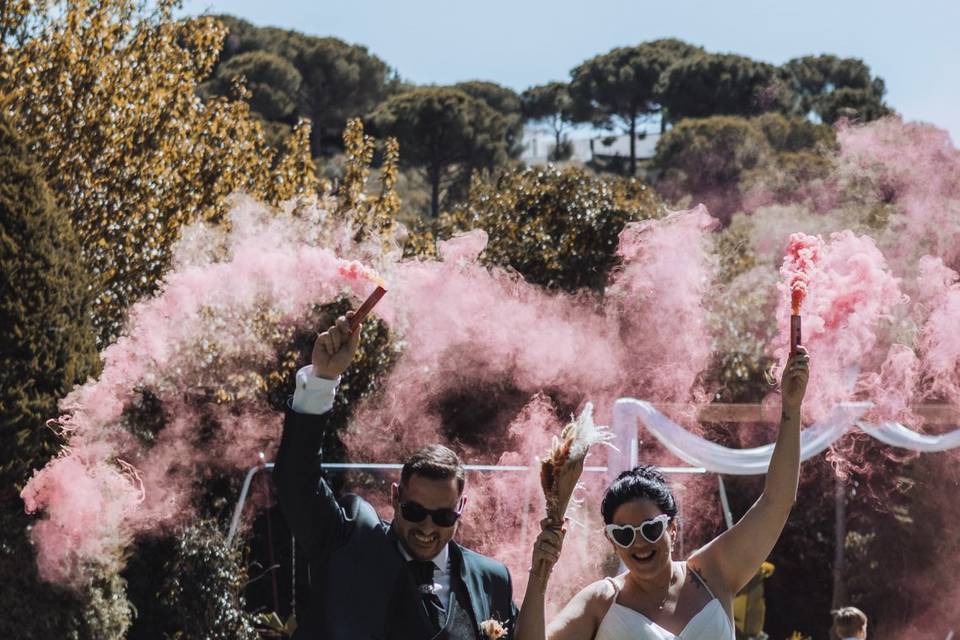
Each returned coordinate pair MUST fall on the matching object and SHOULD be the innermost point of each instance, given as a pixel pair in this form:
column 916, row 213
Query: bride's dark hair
column 642, row 482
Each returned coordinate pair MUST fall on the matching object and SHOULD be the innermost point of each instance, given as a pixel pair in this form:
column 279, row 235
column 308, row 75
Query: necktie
column 422, row 571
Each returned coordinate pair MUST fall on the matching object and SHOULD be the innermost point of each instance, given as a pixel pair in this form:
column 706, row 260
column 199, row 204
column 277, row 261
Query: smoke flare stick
column 366, row 307
column 794, row 333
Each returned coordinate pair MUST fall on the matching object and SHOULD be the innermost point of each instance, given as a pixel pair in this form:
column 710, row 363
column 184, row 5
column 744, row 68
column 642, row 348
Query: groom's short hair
column 434, row 461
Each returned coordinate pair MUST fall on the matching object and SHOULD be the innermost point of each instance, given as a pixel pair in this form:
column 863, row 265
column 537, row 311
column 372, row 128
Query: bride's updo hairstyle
column 641, row 482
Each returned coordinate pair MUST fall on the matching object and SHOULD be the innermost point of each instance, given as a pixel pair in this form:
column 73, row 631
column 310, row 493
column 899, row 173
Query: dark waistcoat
column 459, row 624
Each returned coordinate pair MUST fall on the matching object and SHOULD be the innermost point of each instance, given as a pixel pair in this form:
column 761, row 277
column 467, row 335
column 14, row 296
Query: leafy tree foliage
column 616, row 89
column 559, row 227
column 33, row 608
column 105, row 94
column 244, row 37
column 832, row 87
column 273, row 82
column 709, row 154
column 340, row 80
column 204, row 586
column 722, row 84
column 444, row 133
column 504, row 101
column 48, row 344
column 550, row 103
column 46, row 347
column 715, row 159
column 793, row 134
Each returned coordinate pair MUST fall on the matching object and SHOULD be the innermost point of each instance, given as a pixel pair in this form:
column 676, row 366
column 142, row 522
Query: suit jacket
column 360, row 586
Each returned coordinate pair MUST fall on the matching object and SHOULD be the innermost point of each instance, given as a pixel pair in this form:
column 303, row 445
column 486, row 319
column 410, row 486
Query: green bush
column 47, row 344
column 722, row 159
column 204, row 586
column 710, row 153
column 31, row 607
column 558, row 227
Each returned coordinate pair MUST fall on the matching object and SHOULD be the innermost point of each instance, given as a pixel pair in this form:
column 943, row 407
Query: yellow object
column 749, row 607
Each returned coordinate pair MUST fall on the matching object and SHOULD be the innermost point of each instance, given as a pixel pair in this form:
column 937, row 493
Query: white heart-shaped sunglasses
column 624, row 535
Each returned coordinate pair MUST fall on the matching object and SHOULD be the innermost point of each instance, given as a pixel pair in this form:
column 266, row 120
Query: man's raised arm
column 307, row 502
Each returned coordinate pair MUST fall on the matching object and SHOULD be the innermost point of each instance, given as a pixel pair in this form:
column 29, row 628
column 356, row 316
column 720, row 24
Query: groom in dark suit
column 404, row 580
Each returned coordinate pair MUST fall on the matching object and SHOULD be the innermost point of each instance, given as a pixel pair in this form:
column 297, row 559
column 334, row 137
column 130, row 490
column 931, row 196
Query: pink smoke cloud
column 464, row 327
column 916, row 167
column 851, row 290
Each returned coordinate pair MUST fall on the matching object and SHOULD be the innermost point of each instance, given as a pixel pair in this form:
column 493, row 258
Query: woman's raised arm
column 734, row 556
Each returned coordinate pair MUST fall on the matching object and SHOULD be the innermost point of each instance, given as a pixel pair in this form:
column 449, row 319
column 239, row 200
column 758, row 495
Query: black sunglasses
column 650, row 530
column 416, row 512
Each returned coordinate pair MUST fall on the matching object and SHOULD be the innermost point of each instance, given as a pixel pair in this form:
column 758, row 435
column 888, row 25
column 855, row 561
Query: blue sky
column 914, row 46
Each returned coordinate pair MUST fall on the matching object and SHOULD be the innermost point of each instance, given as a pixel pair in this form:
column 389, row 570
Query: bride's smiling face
column 642, row 558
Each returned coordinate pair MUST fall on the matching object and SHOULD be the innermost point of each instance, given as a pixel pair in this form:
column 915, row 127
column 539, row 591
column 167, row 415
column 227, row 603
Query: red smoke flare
column 367, row 307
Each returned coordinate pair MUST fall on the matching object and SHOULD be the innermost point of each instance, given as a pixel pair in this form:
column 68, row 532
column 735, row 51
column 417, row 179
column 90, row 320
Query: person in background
column 849, row 623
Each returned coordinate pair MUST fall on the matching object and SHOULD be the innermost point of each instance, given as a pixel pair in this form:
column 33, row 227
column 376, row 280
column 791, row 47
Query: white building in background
column 587, row 146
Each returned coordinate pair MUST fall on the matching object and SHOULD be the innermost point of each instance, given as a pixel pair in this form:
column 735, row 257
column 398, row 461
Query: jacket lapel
column 479, row 604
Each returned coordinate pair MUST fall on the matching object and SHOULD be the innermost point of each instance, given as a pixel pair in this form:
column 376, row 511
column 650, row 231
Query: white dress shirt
column 441, row 576
column 312, row 394
column 315, row 395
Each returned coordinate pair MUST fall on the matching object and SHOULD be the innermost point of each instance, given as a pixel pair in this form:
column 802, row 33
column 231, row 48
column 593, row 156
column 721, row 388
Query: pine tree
column 47, row 344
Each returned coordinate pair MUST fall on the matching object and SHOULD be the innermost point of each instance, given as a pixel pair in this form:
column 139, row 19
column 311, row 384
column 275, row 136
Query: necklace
column 670, row 582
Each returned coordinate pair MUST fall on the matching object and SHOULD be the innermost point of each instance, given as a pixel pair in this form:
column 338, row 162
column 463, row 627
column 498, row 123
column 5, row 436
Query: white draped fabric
column 897, row 435
column 814, row 439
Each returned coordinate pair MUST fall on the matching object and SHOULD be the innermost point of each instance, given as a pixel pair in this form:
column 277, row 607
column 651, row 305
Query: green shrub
column 47, row 344
column 558, row 227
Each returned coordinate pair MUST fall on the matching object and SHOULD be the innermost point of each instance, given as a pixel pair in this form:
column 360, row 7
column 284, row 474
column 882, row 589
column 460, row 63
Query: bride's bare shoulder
column 599, row 595
column 582, row 615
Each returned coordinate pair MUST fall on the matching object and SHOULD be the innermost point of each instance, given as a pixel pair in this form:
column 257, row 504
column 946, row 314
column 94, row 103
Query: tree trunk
column 633, row 145
column 434, row 193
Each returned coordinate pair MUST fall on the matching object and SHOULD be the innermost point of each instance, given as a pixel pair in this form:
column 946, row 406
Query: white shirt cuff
column 312, row 394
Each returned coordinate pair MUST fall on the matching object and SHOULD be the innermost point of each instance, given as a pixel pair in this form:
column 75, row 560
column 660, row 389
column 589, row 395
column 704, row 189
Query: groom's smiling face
column 425, row 539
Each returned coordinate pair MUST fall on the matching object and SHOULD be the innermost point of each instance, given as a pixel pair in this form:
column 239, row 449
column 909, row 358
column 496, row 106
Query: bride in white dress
column 658, row 598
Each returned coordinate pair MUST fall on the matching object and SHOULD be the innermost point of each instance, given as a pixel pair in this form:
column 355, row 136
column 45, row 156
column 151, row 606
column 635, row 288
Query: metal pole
column 626, row 445
column 528, row 489
column 724, row 502
column 235, row 521
column 840, row 537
